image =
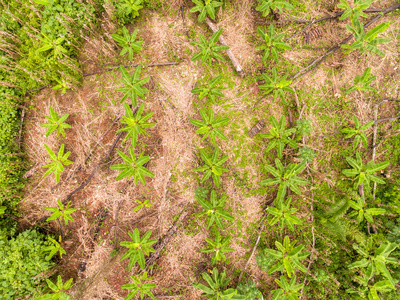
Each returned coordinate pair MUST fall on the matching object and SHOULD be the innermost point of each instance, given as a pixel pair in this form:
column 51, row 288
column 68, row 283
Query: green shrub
column 22, row 267
column 127, row 10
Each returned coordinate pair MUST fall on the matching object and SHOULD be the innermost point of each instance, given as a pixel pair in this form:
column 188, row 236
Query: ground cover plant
column 190, row 178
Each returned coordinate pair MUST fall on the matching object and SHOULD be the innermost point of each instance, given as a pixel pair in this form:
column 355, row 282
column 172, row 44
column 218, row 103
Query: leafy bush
column 127, row 10
column 289, row 257
column 135, row 123
column 217, row 247
column 205, row 7
column 364, row 173
column 356, row 11
column 56, row 123
column 209, row 126
column 267, row 6
column 366, row 41
column 58, row 290
column 61, row 212
column 214, row 209
column 213, row 166
column 288, row 290
column 279, row 136
column 133, row 167
column 216, row 286
column 128, row 42
column 133, row 85
column 22, row 266
column 273, row 43
column 57, row 163
column 212, row 91
column 277, row 86
column 285, row 177
column 209, row 49
column 138, row 248
column 139, row 286
column 362, row 82
column 284, row 215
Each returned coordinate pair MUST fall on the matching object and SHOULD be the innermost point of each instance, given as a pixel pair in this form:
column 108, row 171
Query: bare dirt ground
column 172, row 144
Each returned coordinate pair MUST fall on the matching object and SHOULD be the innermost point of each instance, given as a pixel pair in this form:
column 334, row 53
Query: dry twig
column 232, row 57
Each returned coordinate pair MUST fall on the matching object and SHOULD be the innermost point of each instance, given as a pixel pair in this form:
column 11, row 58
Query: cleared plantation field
column 275, row 161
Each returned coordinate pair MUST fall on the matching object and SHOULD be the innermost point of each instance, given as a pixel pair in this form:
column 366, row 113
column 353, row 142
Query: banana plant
column 273, row 43
column 213, row 166
column 135, row 123
column 362, row 83
column 139, row 286
column 59, row 288
column 218, row 248
column 209, row 49
column 285, row 177
column 267, row 6
column 275, row 85
column 355, row 11
column 57, row 49
column 374, row 260
column 358, row 132
column 210, row 91
column 205, row 7
column 364, row 173
column 214, row 209
column 55, row 123
column 361, row 211
column 61, row 212
column 284, row 215
column 216, row 286
column 133, row 167
column 138, row 248
column 279, row 136
column 209, row 126
column 366, row 41
column 370, row 291
column 133, row 85
column 145, row 203
column 128, row 42
column 288, row 290
column 289, row 257
column 54, row 248
column 58, row 162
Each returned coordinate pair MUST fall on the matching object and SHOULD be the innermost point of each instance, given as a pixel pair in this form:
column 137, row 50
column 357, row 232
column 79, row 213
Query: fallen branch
column 232, row 57
column 370, row 10
column 105, row 159
column 116, row 222
column 387, row 119
column 132, row 66
column 252, row 252
column 102, row 161
column 137, row 221
column 161, row 244
column 319, row 60
column 89, row 154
